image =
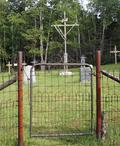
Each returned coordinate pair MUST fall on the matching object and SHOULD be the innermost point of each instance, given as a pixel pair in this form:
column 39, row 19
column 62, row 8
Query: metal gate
column 61, row 100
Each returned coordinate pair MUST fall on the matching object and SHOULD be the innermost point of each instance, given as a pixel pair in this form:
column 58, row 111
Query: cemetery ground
column 8, row 94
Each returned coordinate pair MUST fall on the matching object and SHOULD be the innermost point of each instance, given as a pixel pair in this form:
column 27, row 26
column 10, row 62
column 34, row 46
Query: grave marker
column 115, row 52
column 10, row 65
column 85, row 72
column 83, row 59
column 27, row 70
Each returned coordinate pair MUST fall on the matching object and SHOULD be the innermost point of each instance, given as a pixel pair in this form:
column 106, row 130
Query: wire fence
column 8, row 111
column 111, row 106
column 60, row 103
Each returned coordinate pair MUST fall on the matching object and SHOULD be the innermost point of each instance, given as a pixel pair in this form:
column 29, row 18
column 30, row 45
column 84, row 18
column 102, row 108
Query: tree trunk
column 41, row 37
column 41, row 41
column 102, row 39
column 0, row 65
column 13, row 51
column 34, row 55
column 95, row 39
column 79, row 41
column 47, row 45
column 4, row 36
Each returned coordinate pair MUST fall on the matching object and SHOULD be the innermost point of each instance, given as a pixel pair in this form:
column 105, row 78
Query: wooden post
column 20, row 99
column 98, row 97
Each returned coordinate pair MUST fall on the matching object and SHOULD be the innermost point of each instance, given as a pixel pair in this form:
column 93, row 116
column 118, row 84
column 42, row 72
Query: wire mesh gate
column 60, row 102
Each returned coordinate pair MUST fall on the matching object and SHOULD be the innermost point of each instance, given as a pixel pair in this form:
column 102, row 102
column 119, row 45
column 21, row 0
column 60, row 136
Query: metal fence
column 11, row 106
column 107, row 104
column 8, row 111
column 110, row 101
column 60, row 104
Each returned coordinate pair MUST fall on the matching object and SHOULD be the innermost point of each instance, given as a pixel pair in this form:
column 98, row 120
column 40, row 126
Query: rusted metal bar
column 20, row 99
column 8, row 83
column 105, row 73
column 63, row 64
column 98, row 98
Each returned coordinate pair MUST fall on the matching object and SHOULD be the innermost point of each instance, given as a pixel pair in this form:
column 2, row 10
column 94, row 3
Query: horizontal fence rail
column 61, row 101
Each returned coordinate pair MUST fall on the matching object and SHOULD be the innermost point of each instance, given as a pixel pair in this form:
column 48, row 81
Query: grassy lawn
column 111, row 66
column 60, row 105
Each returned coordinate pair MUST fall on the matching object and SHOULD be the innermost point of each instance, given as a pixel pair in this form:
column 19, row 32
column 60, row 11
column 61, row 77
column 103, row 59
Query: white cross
column 64, row 33
column 10, row 65
column 115, row 52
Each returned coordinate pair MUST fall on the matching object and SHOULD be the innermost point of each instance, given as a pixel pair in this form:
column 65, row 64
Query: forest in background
column 26, row 25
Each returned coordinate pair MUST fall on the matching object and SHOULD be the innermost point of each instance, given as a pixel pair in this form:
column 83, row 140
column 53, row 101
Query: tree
column 40, row 14
column 3, row 51
column 71, row 9
column 17, row 6
column 26, row 25
column 106, row 11
column 16, row 27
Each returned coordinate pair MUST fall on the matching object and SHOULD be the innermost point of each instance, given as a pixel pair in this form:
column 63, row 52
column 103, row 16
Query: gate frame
column 98, row 95
column 91, row 89
column 20, row 99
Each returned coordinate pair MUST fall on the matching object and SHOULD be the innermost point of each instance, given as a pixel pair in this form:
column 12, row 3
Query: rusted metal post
column 98, row 97
column 20, row 99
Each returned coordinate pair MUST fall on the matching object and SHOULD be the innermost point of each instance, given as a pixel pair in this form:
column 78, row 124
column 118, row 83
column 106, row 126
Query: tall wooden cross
column 64, row 33
column 115, row 52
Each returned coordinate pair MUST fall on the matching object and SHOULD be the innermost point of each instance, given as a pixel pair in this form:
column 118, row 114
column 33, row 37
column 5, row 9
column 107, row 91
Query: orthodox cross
column 64, row 33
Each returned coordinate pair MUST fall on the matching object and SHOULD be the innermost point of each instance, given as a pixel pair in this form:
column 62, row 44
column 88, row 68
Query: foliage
column 26, row 25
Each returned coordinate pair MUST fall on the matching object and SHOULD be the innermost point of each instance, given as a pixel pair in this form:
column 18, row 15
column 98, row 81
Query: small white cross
column 10, row 65
column 115, row 52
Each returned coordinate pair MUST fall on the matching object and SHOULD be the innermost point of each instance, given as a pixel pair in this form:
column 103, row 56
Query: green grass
column 66, row 99
column 111, row 67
